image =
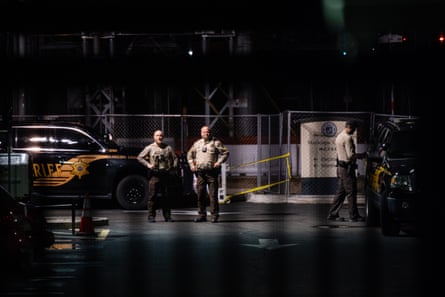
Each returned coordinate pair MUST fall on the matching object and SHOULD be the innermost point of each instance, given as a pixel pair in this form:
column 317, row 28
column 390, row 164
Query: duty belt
column 156, row 171
column 343, row 164
column 206, row 171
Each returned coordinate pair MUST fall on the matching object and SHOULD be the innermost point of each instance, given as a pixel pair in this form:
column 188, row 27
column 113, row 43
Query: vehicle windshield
column 404, row 144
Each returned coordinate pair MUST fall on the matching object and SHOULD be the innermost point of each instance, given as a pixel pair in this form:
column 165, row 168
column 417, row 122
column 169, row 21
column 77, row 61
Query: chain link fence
column 287, row 153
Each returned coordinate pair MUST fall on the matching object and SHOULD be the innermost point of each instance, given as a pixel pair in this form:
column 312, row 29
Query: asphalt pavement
column 256, row 249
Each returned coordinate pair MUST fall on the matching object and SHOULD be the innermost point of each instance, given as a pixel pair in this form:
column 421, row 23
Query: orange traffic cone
column 86, row 221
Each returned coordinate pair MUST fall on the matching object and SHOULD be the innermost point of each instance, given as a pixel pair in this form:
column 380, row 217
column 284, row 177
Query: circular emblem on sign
column 329, row 129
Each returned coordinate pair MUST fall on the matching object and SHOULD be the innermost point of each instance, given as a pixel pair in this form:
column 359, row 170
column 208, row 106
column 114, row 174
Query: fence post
column 222, row 186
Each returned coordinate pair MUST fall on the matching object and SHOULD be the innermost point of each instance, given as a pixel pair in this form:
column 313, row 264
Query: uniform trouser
column 346, row 189
column 209, row 178
column 158, row 185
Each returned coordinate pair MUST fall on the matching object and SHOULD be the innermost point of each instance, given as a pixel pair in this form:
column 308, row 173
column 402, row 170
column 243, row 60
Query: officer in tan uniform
column 205, row 158
column 347, row 179
column 160, row 158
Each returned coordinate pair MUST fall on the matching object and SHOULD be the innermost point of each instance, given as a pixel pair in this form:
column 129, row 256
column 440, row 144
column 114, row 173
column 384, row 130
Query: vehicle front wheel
column 131, row 192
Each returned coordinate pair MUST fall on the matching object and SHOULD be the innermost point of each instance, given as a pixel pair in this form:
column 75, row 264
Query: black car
column 71, row 160
column 392, row 186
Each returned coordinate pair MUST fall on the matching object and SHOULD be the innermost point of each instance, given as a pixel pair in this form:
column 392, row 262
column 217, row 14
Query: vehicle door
column 58, row 164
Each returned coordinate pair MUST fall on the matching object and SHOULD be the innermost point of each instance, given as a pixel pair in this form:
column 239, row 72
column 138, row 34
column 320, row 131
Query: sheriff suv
column 71, row 160
column 392, row 187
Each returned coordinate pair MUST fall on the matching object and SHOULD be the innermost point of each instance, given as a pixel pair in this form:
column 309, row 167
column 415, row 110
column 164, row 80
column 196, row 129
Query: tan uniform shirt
column 204, row 154
column 345, row 146
column 161, row 157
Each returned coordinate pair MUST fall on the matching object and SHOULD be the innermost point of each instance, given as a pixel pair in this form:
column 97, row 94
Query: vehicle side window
column 3, row 141
column 70, row 139
column 33, row 138
column 383, row 136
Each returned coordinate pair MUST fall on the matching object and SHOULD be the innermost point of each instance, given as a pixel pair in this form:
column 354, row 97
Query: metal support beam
column 207, row 96
column 99, row 103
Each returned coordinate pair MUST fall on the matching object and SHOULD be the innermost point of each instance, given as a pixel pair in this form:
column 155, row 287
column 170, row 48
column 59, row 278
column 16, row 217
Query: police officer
column 205, row 158
column 347, row 179
column 162, row 162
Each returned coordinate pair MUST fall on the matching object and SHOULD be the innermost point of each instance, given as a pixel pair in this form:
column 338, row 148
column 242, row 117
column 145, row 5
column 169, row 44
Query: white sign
column 318, row 157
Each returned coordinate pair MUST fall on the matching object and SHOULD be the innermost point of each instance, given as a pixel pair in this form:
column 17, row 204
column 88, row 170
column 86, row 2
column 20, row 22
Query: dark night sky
column 174, row 15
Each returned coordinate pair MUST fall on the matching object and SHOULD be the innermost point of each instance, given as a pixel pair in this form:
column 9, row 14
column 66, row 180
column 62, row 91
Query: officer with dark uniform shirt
column 205, row 158
column 162, row 161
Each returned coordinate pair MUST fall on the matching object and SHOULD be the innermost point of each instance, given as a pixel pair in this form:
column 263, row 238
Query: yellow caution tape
column 263, row 160
column 287, row 155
